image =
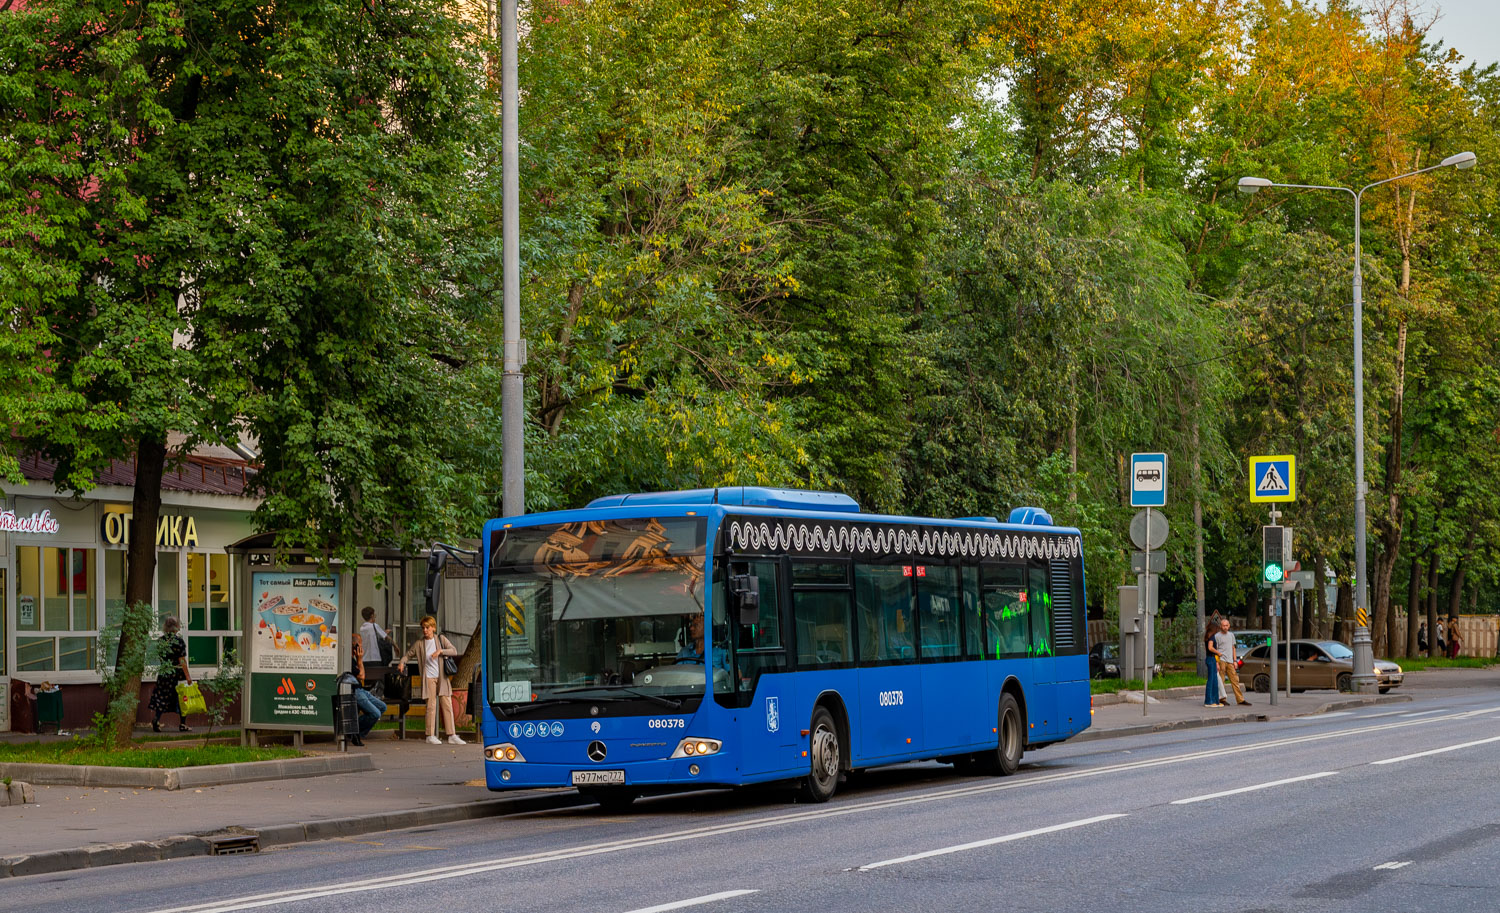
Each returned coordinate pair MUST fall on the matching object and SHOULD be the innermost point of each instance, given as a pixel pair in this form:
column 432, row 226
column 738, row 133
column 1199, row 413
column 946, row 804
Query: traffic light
column 1273, row 554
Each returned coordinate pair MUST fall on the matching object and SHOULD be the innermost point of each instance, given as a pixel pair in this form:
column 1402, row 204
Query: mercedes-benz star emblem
column 596, row 751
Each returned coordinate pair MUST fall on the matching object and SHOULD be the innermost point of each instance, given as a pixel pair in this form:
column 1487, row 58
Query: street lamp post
column 512, row 401
column 1364, row 655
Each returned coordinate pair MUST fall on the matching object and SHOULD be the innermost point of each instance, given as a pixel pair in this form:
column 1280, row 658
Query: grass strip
column 138, row 756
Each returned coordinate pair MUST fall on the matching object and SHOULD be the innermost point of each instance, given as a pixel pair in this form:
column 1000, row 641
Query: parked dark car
column 1104, row 660
column 1315, row 664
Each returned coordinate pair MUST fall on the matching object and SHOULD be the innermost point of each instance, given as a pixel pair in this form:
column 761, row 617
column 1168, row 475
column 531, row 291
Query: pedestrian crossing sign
column 1273, row 478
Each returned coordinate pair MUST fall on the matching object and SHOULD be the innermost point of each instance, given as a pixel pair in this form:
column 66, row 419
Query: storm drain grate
column 233, row 845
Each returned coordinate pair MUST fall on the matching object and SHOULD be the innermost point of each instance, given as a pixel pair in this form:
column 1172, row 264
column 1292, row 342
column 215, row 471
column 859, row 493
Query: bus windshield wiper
column 665, row 702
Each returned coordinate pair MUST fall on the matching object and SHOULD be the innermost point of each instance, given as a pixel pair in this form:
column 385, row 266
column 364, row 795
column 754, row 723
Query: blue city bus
column 714, row 638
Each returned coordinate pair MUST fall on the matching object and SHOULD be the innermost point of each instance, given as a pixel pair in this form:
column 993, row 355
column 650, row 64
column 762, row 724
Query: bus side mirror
column 432, row 593
column 746, row 591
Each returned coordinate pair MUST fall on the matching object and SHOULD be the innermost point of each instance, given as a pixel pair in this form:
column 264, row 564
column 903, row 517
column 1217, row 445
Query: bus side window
column 938, row 601
column 1041, row 612
column 759, row 648
column 973, row 616
column 1007, row 612
column 885, row 603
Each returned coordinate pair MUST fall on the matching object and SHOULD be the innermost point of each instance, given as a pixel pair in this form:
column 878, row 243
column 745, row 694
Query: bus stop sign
column 1148, row 480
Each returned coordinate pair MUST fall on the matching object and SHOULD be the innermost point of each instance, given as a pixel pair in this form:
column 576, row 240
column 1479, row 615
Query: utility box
column 1134, row 644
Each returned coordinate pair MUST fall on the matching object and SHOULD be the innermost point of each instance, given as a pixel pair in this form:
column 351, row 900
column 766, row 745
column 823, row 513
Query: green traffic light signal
column 1273, row 554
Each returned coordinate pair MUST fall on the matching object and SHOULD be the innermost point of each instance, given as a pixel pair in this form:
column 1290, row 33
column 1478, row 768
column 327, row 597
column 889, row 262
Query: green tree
column 230, row 220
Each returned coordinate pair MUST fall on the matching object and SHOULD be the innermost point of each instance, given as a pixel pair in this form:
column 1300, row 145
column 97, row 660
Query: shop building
column 62, row 576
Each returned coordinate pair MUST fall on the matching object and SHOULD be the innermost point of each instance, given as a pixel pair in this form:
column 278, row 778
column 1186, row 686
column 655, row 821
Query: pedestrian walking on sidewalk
column 1224, row 641
column 437, row 689
column 1213, row 691
column 371, row 708
column 173, row 669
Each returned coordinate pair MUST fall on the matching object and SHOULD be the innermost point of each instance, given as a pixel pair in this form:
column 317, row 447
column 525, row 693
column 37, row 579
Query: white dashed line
column 990, row 842
column 1248, row 789
column 693, row 902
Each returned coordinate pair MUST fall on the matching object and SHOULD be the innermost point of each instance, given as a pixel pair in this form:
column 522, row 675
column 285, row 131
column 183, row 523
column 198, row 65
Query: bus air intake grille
column 1060, row 587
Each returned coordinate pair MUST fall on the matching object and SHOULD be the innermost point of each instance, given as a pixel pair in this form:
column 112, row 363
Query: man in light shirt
column 1224, row 642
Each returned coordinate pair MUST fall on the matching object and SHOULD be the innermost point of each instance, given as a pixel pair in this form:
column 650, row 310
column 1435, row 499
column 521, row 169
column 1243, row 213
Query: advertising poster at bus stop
column 293, row 659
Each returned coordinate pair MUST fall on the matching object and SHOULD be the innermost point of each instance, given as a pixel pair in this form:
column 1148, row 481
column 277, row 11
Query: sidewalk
column 1182, row 708
column 416, row 784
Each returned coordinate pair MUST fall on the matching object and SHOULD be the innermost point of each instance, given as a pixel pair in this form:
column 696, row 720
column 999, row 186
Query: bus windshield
column 588, row 610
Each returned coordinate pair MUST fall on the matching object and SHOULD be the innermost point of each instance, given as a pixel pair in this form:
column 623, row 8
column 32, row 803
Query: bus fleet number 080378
column 892, row 698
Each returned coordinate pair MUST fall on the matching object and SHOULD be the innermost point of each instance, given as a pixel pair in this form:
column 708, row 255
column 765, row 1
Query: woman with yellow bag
column 173, row 670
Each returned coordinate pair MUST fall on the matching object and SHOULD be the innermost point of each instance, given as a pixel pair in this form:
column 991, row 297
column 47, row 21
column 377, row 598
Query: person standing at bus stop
column 437, row 690
column 1224, row 641
column 1213, row 691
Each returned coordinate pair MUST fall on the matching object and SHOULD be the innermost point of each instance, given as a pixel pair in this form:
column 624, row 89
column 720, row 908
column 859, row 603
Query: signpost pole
column 1275, row 607
column 1286, row 614
column 1144, row 583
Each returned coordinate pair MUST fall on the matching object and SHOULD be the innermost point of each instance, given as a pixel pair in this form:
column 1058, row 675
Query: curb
column 186, row 777
column 105, row 854
column 1091, row 734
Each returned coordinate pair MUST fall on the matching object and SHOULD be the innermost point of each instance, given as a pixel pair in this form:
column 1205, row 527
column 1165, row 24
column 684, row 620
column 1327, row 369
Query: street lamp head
column 1461, row 161
column 1251, row 185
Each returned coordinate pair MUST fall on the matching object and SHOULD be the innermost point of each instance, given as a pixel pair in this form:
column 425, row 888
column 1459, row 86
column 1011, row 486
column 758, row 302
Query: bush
column 122, row 676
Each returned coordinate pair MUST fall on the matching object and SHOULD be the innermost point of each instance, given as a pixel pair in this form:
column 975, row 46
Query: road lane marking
column 1426, row 712
column 1393, row 865
column 681, row 904
column 990, row 842
column 463, row 869
column 1249, row 789
column 1423, row 754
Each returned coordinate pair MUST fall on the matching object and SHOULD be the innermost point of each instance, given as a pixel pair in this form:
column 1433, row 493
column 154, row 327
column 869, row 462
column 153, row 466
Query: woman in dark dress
column 174, row 669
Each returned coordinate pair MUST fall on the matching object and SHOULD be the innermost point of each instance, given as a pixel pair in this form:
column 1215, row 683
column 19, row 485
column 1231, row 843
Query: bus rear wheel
column 1012, row 737
column 824, row 758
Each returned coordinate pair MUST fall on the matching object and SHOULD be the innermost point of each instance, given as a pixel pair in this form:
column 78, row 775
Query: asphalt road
column 1386, row 809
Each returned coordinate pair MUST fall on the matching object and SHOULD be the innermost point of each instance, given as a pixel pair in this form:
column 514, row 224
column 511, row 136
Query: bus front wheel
column 824, row 757
column 1012, row 734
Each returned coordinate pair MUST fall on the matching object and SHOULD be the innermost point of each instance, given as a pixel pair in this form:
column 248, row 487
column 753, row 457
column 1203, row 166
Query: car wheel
column 1345, row 681
column 1262, row 683
column 824, row 758
column 1386, row 688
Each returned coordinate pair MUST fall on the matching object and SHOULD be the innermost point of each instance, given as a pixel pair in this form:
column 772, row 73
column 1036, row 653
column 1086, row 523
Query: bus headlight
column 693, row 747
column 506, row 752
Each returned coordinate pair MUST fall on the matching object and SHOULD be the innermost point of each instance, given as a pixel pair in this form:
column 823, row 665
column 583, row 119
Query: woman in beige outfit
column 436, row 688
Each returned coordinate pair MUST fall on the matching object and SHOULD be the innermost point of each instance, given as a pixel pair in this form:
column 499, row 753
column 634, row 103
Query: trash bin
column 49, row 709
column 345, row 709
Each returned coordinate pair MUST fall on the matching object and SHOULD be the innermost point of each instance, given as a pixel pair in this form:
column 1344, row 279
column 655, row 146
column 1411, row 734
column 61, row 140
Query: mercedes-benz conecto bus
column 677, row 640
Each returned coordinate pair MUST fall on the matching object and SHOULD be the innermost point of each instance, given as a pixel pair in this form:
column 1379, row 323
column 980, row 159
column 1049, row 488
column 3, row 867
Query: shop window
column 55, row 596
column 212, row 624
column 4, row 620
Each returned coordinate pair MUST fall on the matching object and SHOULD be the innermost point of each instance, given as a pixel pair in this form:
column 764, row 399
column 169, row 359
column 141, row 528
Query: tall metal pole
column 1145, row 602
column 1363, row 678
column 512, row 391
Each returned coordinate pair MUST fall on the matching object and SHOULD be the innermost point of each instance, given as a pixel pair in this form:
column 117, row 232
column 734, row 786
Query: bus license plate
column 597, row 777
